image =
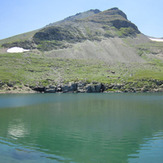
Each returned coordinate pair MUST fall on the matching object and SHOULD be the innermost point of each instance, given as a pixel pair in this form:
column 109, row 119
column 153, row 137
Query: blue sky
column 19, row 16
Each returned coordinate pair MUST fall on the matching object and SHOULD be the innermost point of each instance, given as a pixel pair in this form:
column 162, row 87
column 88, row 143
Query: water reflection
column 151, row 151
column 16, row 131
column 84, row 128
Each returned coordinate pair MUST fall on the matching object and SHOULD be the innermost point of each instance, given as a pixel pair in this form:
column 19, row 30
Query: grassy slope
column 20, row 37
column 39, row 70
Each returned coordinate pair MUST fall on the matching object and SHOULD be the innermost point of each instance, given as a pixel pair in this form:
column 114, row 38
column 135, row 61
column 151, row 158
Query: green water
column 81, row 128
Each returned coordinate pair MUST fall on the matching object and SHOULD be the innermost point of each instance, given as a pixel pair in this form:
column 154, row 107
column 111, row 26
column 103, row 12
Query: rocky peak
column 116, row 11
column 96, row 11
column 108, row 15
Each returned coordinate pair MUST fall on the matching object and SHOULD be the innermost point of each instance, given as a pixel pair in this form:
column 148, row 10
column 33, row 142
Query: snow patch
column 17, row 50
column 156, row 39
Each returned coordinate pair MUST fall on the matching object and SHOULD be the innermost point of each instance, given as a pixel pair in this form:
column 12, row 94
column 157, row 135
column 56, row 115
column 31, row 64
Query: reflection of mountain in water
column 85, row 127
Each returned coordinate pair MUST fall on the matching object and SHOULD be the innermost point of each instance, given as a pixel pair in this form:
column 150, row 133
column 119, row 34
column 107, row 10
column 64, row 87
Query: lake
column 81, row 128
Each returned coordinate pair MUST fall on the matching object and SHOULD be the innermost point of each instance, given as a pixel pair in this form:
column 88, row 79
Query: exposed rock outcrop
column 94, row 87
column 23, row 44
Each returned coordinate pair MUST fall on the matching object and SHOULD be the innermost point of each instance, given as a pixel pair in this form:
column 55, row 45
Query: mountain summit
column 90, row 25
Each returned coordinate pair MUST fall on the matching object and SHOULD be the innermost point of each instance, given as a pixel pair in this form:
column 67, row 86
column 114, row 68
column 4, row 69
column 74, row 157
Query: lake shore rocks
column 80, row 87
column 95, row 87
column 85, row 87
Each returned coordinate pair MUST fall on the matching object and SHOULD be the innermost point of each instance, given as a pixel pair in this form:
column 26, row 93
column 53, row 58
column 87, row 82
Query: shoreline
column 24, row 92
column 85, row 87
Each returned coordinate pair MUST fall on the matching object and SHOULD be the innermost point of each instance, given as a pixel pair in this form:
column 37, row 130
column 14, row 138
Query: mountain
column 91, row 25
column 90, row 47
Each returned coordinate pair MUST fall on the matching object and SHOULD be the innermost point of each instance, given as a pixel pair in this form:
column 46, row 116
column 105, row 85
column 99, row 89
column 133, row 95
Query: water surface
column 84, row 128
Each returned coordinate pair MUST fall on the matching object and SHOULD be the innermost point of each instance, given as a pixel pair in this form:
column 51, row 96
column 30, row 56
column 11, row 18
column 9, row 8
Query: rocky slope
column 96, row 51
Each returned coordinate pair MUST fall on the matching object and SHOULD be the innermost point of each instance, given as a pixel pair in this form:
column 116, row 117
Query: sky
column 20, row 16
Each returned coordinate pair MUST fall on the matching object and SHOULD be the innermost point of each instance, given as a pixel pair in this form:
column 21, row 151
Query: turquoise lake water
column 81, row 128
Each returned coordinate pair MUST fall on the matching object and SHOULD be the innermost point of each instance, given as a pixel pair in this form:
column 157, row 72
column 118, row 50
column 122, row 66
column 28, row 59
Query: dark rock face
column 124, row 24
column 55, row 37
column 23, row 44
column 65, row 89
column 50, row 89
column 73, row 87
column 80, row 87
column 94, row 87
column 53, row 33
column 96, row 11
column 38, row 89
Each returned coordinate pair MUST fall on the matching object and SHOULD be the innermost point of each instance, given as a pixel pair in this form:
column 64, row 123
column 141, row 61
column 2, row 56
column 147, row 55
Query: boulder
column 65, row 88
column 38, row 89
column 91, row 88
column 73, row 87
column 81, row 87
column 50, row 89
